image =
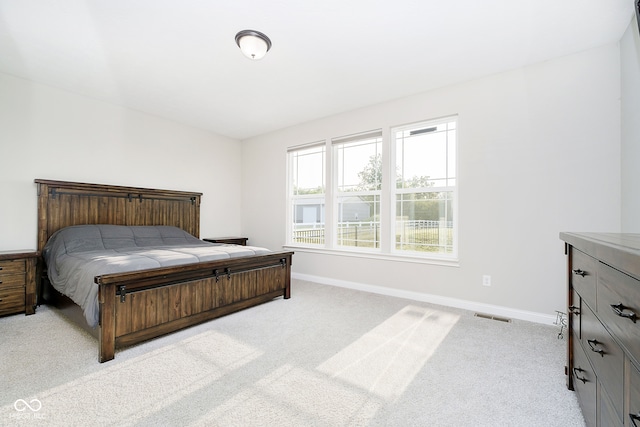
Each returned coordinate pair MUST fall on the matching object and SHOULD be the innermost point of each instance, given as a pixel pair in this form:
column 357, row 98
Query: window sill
column 447, row 262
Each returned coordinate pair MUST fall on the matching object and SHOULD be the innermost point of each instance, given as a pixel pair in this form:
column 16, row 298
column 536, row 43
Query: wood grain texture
column 160, row 300
column 18, row 270
column 62, row 204
column 603, row 280
column 152, row 307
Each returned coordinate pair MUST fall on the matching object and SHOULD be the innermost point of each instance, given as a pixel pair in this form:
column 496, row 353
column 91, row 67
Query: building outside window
column 357, row 190
column 411, row 212
column 307, row 194
column 425, row 187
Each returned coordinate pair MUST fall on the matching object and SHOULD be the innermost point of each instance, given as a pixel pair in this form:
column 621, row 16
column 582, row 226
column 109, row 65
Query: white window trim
column 363, row 253
column 388, row 192
column 393, row 191
column 334, row 193
column 289, row 199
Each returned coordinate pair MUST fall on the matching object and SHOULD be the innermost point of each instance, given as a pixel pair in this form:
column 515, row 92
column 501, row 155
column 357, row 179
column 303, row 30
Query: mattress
column 75, row 255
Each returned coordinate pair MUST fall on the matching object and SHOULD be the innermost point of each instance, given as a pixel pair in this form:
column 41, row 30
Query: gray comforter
column 75, row 255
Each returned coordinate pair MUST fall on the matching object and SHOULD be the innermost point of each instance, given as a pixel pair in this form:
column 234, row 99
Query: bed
column 189, row 281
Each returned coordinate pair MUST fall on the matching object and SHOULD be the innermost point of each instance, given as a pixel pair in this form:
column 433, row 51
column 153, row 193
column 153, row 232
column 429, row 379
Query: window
column 307, row 194
column 394, row 195
column 357, row 189
column 424, row 190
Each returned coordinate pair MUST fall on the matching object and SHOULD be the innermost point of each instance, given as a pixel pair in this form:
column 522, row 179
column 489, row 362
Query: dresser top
column 618, row 250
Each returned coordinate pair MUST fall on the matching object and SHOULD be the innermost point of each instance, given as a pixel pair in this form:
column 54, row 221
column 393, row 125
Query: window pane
column 358, row 221
column 424, row 222
column 425, row 156
column 308, row 220
column 451, row 158
column 307, row 166
column 307, row 181
column 425, row 187
column 359, row 165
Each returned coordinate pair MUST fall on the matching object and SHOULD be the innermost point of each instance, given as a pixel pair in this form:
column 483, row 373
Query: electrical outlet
column 486, row 280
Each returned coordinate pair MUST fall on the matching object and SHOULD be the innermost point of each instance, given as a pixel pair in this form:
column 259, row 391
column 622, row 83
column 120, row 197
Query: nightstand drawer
column 18, row 270
column 12, row 267
column 11, row 300
column 12, row 280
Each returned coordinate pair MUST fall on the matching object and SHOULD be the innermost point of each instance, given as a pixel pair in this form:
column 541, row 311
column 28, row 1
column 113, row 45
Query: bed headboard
column 62, row 204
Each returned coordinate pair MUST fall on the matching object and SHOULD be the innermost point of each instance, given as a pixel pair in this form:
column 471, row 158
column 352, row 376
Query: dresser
column 18, row 282
column 603, row 348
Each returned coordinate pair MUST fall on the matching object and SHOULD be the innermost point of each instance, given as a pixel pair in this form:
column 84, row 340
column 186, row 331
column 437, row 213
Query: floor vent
column 492, row 317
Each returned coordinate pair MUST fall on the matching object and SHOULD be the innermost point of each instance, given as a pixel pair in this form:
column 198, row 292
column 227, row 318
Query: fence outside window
column 412, row 235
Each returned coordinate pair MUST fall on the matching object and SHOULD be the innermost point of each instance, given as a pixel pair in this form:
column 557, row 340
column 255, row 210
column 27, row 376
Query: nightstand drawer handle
column 580, row 272
column 619, row 310
column 592, row 346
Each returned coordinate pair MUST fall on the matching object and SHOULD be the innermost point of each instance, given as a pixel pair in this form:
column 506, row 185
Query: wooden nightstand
column 229, row 240
column 18, row 282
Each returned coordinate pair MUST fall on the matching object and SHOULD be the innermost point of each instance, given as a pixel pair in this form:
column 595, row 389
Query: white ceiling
column 178, row 59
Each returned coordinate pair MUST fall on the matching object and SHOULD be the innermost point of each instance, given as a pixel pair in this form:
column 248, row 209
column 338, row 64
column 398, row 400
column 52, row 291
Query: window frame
column 336, row 194
column 388, row 192
column 291, row 197
column 394, row 191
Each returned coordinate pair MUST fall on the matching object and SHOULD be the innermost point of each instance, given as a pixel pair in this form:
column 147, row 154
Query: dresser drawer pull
column 576, row 371
column 634, row 418
column 619, row 309
column 580, row 272
column 593, row 346
column 574, row 310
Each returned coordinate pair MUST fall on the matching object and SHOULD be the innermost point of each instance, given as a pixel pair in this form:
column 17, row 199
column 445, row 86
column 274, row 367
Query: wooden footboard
column 137, row 306
column 145, row 304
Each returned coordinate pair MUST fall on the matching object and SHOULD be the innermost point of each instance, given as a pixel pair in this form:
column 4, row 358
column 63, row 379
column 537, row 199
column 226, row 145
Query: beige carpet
column 326, row 357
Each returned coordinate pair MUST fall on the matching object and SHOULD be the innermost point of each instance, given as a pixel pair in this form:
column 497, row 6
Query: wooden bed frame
column 141, row 305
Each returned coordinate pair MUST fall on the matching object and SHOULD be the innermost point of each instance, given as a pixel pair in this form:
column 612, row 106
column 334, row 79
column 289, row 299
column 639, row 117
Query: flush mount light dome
column 253, row 44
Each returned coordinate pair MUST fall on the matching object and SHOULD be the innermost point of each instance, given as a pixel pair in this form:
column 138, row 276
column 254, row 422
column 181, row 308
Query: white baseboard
column 494, row 310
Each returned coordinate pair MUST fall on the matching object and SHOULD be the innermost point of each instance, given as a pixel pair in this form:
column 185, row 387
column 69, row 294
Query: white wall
column 52, row 134
column 539, row 153
column 630, row 105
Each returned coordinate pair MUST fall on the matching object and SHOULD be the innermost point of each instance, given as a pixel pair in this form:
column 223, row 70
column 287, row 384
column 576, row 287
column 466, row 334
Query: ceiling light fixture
column 253, row 44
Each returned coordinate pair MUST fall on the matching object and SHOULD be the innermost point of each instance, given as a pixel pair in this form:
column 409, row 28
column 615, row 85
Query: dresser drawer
column 11, row 300
column 608, row 414
column 605, row 355
column 584, row 383
column 633, row 411
column 12, row 267
column 574, row 313
column 583, row 276
column 619, row 305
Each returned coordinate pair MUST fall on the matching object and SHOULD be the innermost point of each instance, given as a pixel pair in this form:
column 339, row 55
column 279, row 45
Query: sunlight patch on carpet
column 270, row 401
column 191, row 365
column 385, row 360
